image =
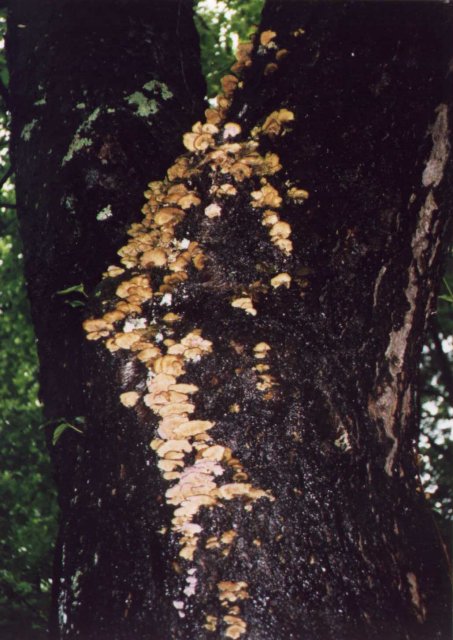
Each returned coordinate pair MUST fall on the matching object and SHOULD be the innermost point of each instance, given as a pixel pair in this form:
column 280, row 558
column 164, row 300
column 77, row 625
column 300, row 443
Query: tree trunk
column 263, row 332
column 100, row 98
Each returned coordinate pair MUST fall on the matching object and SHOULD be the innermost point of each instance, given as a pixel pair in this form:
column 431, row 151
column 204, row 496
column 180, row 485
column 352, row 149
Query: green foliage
column 222, row 25
column 28, row 507
column 436, row 440
column 28, row 511
column 448, row 296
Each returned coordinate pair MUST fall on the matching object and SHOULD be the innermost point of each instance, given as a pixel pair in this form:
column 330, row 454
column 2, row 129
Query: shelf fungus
column 97, row 328
column 267, row 196
column 226, row 190
column 143, row 324
column 211, row 623
column 129, row 398
column 270, row 218
column 299, row 195
column 270, row 68
column 281, row 280
column 136, row 290
column 246, row 304
column 243, row 57
column 113, row 272
column 279, row 233
column 233, row 592
column 213, row 211
column 261, row 350
column 281, row 54
column 231, row 130
column 229, row 84
column 266, row 381
column 201, row 137
column 266, row 37
column 236, row 627
column 276, row 122
column 153, row 258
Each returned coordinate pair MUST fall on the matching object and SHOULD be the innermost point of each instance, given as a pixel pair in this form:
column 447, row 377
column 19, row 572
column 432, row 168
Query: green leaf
column 61, row 429
column 75, row 303
column 77, row 288
column 449, row 296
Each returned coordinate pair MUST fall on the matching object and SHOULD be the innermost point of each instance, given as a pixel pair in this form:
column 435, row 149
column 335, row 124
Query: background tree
column 28, row 512
column 143, row 103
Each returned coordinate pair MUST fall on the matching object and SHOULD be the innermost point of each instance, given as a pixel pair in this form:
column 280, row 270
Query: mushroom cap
column 129, row 398
column 213, row 211
column 266, row 37
column 174, row 445
column 261, row 347
column 176, row 408
column 235, row 631
column 96, row 324
column 270, row 218
column 169, row 364
column 214, row 452
column 246, row 304
column 297, row 194
column 228, row 536
column 280, row 230
column 193, row 427
column 283, row 244
column 154, row 258
column 231, row 130
column 282, row 279
column 270, row 68
column 267, row 196
column 228, row 585
column 184, row 388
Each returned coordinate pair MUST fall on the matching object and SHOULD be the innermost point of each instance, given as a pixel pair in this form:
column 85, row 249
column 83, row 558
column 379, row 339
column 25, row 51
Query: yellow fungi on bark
column 266, row 37
column 297, row 194
column 129, row 399
column 267, row 196
column 154, row 258
column 246, row 304
column 274, row 123
column 213, row 211
column 281, row 280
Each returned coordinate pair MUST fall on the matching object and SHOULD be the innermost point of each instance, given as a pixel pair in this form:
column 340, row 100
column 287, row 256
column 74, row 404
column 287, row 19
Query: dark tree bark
column 100, row 96
column 263, row 332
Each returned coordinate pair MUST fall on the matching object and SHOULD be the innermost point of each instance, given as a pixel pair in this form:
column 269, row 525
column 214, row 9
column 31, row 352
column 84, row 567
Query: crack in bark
column 392, row 405
column 434, row 169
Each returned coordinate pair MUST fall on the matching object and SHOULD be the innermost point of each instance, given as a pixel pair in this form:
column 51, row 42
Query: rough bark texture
column 100, row 96
column 300, row 391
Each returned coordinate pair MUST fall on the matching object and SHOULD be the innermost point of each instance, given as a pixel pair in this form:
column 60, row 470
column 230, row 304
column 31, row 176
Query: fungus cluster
column 230, row 593
column 266, row 381
column 139, row 320
column 246, row 304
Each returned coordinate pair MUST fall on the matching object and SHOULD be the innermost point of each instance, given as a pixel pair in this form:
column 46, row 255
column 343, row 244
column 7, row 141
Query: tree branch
column 4, row 93
column 5, row 176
